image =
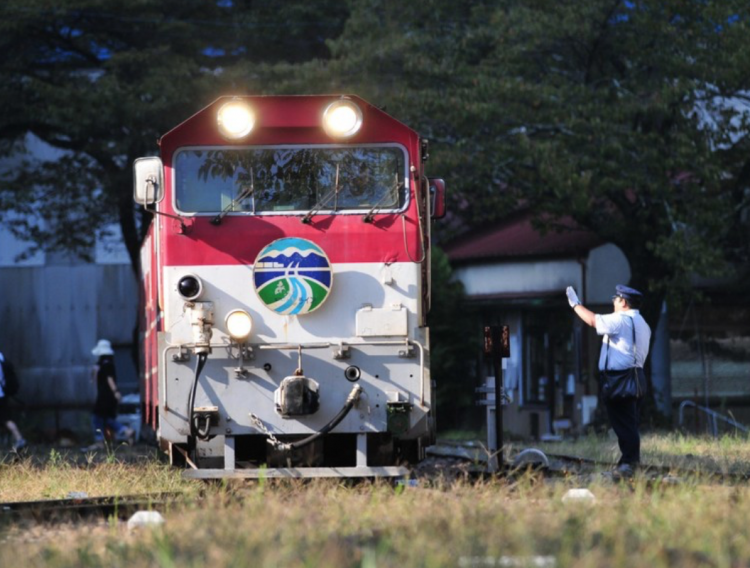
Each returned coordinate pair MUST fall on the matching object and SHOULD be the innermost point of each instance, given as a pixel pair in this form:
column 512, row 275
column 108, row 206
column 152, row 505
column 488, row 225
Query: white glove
column 572, row 297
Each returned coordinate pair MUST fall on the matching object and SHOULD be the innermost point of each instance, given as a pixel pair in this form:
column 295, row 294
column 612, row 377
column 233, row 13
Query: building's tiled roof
column 515, row 237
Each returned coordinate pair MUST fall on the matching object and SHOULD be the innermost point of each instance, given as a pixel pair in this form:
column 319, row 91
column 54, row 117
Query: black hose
column 191, row 399
column 350, row 401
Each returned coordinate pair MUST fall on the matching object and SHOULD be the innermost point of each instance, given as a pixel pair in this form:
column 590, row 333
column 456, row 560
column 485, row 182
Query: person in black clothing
column 19, row 443
column 107, row 397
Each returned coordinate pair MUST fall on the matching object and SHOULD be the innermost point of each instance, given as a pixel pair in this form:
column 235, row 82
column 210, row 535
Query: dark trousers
column 624, row 416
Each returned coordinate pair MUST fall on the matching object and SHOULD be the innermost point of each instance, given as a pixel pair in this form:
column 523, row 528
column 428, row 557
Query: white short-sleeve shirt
column 617, row 328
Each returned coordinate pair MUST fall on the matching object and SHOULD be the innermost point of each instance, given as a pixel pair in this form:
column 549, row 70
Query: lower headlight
column 239, row 325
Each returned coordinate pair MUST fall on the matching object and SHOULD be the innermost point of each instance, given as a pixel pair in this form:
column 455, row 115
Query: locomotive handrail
column 302, row 346
column 293, row 345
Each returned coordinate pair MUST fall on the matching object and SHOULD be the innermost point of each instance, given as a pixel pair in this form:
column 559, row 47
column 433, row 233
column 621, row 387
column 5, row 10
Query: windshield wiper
column 325, row 199
column 248, row 191
column 370, row 217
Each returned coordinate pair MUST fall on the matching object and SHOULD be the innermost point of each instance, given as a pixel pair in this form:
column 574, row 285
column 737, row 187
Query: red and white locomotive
column 286, row 284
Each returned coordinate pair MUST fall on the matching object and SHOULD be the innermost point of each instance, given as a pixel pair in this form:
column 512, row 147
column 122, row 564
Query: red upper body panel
column 284, row 120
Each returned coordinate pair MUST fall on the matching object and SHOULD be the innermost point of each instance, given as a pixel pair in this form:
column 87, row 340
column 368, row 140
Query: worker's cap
column 103, row 347
column 630, row 294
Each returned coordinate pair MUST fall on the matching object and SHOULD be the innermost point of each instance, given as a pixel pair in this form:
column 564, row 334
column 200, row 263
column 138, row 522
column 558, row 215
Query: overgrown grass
column 335, row 524
column 58, row 475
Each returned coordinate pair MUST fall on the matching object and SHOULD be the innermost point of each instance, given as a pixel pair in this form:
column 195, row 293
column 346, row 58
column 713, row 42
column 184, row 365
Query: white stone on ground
column 145, row 519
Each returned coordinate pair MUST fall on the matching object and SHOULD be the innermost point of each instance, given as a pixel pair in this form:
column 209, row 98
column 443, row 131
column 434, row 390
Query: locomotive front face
column 288, row 265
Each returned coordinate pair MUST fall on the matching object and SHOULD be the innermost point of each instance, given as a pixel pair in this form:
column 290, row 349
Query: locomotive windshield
column 281, row 179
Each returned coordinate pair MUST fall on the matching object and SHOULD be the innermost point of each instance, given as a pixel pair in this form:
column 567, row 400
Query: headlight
column 342, row 119
column 235, row 119
column 189, row 287
column 239, row 325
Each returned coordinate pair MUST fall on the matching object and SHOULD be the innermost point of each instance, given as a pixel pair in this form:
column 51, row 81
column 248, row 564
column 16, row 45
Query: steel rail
column 84, row 508
column 473, row 453
column 662, row 469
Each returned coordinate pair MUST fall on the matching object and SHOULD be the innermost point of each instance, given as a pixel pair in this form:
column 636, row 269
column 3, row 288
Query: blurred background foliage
column 629, row 117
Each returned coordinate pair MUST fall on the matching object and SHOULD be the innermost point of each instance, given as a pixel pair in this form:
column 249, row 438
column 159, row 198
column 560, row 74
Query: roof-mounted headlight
column 239, row 325
column 342, row 119
column 189, row 287
column 235, row 119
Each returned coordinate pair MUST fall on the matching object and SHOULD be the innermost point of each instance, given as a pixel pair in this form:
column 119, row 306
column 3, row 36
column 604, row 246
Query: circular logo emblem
column 292, row 276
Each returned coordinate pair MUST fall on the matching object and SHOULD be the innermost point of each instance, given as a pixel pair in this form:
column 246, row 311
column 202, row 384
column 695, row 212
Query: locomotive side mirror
column 437, row 197
column 148, row 181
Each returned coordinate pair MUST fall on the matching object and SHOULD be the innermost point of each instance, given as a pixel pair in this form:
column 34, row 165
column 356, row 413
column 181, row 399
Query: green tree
column 625, row 116
column 622, row 117
column 99, row 81
column 454, row 344
column 629, row 117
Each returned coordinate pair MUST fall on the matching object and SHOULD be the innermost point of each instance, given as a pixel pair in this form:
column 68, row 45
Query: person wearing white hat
column 107, row 397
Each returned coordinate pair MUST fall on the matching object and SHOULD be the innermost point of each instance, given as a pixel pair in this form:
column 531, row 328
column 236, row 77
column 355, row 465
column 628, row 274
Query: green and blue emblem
column 292, row 276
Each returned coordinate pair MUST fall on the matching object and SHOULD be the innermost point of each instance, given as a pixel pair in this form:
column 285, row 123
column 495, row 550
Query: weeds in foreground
column 30, row 480
column 500, row 522
column 327, row 523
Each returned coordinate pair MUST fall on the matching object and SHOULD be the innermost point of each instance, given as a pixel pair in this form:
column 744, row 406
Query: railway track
column 651, row 470
column 564, row 465
column 464, row 460
column 77, row 509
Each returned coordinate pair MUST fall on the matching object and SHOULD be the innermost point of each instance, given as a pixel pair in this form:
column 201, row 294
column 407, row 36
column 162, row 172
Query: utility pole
column 497, row 347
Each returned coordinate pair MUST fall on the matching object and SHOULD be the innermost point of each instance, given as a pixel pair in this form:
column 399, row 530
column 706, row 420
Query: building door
column 550, row 356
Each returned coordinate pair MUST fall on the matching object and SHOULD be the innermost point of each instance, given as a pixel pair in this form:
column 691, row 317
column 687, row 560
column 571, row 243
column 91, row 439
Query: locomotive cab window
column 291, row 179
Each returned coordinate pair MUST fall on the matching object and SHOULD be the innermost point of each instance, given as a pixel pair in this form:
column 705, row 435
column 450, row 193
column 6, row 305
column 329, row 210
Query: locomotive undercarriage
column 335, row 455
column 387, row 426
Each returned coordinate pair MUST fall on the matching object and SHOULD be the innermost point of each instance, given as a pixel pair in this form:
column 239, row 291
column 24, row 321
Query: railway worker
column 107, row 397
column 625, row 345
column 5, row 371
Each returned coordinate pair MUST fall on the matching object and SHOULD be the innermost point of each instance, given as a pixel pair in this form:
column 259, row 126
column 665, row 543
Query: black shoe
column 625, row 471
column 622, row 471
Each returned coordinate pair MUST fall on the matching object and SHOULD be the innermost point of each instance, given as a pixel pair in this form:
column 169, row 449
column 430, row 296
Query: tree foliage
column 98, row 81
column 628, row 116
column 454, row 343
column 624, row 125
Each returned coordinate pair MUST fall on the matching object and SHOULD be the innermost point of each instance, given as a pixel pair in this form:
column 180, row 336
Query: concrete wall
column 54, row 308
column 527, row 277
column 605, row 267
column 52, row 317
